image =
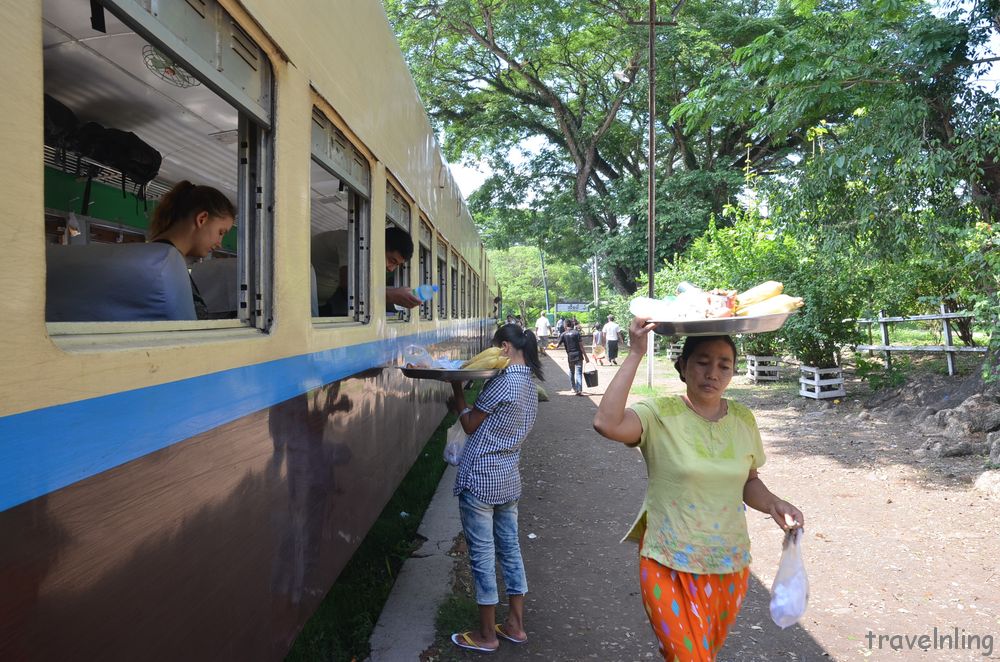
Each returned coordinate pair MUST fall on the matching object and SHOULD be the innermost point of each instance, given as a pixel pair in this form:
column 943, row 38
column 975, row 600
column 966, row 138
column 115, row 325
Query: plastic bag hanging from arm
column 790, row 590
column 455, row 445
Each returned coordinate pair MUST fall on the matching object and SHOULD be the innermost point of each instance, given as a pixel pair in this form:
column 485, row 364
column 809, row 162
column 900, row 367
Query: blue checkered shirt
column 489, row 466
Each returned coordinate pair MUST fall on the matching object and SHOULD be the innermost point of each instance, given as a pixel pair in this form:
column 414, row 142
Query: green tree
column 496, row 74
column 519, row 273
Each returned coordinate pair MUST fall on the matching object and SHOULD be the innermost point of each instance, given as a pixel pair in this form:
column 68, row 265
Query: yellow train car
column 192, row 447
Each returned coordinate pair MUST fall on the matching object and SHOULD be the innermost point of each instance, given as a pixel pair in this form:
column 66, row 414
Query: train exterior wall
column 220, row 546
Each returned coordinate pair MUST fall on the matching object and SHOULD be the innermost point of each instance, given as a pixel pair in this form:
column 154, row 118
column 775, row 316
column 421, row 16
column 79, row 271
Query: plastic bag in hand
column 455, row 445
column 790, row 590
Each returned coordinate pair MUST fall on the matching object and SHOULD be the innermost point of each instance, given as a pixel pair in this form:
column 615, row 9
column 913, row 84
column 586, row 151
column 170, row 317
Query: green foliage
column 880, row 376
column 519, row 272
column 761, row 344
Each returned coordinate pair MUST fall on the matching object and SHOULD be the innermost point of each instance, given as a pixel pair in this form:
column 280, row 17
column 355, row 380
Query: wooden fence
column 948, row 348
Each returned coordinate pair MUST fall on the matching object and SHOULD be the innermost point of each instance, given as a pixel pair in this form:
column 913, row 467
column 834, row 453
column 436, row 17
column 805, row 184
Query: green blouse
column 693, row 518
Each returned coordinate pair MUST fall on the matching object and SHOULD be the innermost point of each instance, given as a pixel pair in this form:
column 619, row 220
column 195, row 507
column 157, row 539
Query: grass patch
column 342, row 625
column 644, row 391
column 457, row 613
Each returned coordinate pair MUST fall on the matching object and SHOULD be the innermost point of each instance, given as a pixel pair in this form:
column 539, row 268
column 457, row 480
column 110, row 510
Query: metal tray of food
column 723, row 326
column 443, row 375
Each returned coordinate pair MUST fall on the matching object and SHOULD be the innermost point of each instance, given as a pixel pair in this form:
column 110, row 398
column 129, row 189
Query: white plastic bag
column 455, row 445
column 790, row 590
column 415, row 356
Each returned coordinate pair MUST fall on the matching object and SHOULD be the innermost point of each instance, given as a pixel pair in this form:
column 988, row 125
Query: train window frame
column 425, row 263
column 453, row 262
column 441, row 257
column 254, row 183
column 398, row 213
column 464, row 289
column 336, row 155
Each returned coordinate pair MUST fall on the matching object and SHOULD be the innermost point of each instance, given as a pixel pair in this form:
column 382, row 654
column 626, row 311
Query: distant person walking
column 576, row 355
column 611, row 334
column 599, row 350
column 488, row 486
column 560, row 326
column 702, row 454
column 542, row 331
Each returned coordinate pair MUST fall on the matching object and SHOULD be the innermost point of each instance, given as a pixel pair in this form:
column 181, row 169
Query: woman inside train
column 193, row 219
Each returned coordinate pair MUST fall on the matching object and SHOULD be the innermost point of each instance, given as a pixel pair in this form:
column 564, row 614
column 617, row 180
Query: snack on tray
column 781, row 303
column 488, row 359
column 694, row 303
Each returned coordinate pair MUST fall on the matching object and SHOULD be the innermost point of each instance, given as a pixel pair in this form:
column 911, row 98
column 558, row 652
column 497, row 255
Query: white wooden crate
column 763, row 368
column 821, row 383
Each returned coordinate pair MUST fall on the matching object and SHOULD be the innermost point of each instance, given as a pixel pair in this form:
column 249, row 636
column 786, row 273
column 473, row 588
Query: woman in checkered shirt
column 489, row 484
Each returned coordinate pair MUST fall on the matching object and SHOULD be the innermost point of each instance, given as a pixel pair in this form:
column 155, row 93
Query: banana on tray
column 488, row 359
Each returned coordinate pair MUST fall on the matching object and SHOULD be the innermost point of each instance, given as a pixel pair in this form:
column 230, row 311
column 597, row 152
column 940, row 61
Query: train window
column 426, row 266
column 397, row 215
column 468, row 295
column 442, row 278
column 132, row 109
column 339, row 224
column 476, row 312
column 455, row 310
column 464, row 290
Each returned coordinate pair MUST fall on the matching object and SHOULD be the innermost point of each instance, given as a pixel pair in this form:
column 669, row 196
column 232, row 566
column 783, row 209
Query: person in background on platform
column 598, row 350
column 576, row 355
column 488, row 486
column 611, row 335
column 193, row 219
column 702, row 454
column 560, row 326
column 542, row 331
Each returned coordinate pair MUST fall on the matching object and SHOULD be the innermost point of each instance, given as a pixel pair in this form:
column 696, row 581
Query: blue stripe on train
column 46, row 449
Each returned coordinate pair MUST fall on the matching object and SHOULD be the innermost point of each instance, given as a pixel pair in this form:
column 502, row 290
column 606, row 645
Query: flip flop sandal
column 463, row 640
column 501, row 633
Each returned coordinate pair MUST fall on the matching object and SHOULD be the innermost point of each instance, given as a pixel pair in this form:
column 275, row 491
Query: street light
column 651, row 23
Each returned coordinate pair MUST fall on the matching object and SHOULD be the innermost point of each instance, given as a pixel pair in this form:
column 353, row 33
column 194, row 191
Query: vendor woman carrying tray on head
column 702, row 454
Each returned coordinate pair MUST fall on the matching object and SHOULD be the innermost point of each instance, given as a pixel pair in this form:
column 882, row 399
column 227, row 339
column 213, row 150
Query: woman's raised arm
column 613, row 420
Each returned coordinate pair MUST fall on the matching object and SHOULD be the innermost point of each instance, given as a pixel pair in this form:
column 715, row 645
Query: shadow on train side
column 221, row 546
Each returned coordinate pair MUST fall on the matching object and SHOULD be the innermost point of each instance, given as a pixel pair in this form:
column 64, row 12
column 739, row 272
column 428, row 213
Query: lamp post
column 545, row 283
column 651, row 23
column 651, row 203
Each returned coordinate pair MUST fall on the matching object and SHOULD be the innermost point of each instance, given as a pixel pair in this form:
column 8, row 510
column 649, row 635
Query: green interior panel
column 64, row 192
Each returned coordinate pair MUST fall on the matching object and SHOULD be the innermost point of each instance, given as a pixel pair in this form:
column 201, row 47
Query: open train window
column 426, row 266
column 340, row 190
column 397, row 215
column 455, row 310
column 442, row 278
column 464, row 290
column 135, row 103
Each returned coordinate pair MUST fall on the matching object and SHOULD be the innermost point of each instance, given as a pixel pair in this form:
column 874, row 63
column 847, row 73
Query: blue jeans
column 576, row 375
column 491, row 532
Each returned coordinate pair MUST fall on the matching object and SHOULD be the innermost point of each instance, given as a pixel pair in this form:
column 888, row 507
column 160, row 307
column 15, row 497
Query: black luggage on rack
column 122, row 150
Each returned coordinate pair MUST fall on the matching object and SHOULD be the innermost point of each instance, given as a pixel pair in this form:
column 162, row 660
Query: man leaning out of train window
column 398, row 251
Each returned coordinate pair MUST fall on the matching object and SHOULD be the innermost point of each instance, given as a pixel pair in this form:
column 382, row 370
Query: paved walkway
column 581, row 493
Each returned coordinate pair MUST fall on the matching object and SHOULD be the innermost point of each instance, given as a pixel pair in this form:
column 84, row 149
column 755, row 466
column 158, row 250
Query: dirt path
column 896, row 545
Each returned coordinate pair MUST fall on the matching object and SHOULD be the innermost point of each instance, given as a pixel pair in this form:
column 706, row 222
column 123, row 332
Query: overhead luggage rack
column 74, row 164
